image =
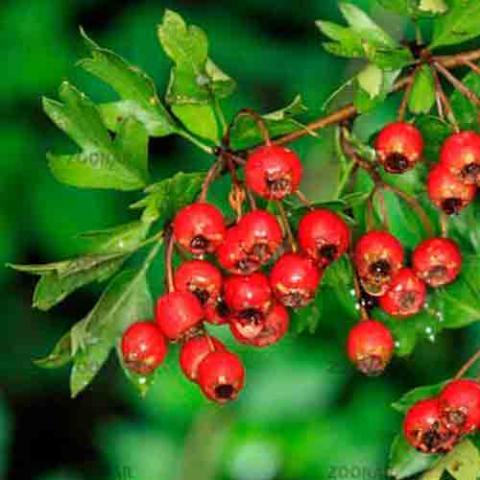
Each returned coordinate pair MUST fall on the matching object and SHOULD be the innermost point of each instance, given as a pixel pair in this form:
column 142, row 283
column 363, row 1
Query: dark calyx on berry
column 396, row 163
column 296, row 298
column 199, row 243
column 452, row 206
column 251, row 315
column 437, row 274
column 224, row 392
column 380, row 269
column 372, row 366
column 202, row 295
column 328, row 252
column 471, row 172
column 434, row 440
column 278, row 186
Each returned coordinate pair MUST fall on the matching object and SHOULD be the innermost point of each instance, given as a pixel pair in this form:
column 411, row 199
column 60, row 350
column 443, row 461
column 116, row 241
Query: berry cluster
column 452, row 182
column 245, row 275
column 435, row 425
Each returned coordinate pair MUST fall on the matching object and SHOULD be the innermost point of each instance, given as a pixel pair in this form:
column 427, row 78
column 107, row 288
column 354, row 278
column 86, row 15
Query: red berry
column 437, row 261
column 217, row 313
column 199, row 228
column 273, row 172
column 177, row 313
column 447, row 192
column 399, row 147
column 221, row 376
column 248, row 293
column 405, row 295
column 323, row 235
column 194, row 350
column 424, row 429
column 294, row 280
column 460, row 405
column 378, row 256
column 251, row 243
column 199, row 277
column 370, row 346
column 143, row 347
column 273, row 328
column 461, row 155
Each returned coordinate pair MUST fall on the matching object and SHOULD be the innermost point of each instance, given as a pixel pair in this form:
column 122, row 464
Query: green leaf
column 102, row 163
column 466, row 112
column 137, row 91
column 122, row 238
column 422, row 96
column 370, row 80
column 458, row 25
column 415, row 8
column 363, row 39
column 462, row 463
column 59, row 356
column 126, row 300
column 195, row 81
column 405, row 461
column 244, row 132
column 433, row 7
column 373, row 85
column 413, row 396
column 168, row 196
column 60, row 279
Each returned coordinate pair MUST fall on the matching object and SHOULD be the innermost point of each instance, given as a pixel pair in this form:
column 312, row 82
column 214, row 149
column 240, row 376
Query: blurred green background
column 305, row 413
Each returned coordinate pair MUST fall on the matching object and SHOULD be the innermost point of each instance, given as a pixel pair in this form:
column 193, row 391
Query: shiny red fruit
column 378, row 256
column 437, row 261
column 461, row 155
column 294, row 280
column 221, row 376
column 217, row 313
column 370, row 346
column 143, row 347
column 447, row 192
column 199, row 277
column 177, row 313
column 194, row 351
column 248, row 293
column 424, row 429
column 323, row 235
column 460, row 406
column 251, row 243
column 273, row 172
column 273, row 328
column 399, row 147
column 199, row 228
column 405, row 295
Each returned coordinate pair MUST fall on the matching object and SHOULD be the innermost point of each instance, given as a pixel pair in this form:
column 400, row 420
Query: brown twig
column 303, row 198
column 358, row 294
column 212, row 174
column 402, row 110
column 444, row 102
column 470, row 362
column 169, row 244
column 460, row 86
column 286, row 226
column 472, row 66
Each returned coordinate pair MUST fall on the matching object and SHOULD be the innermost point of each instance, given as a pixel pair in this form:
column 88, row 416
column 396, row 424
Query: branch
column 349, row 111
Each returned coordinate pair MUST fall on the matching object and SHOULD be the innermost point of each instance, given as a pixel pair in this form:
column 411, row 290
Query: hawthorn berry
column 217, row 312
column 194, row 350
column 447, row 192
column 437, row 261
column 461, row 155
column 405, row 295
column 460, row 406
column 199, row 228
column 199, row 277
column 378, row 256
column 143, row 347
column 273, row 328
column 251, row 243
column 177, row 313
column 399, row 147
column 249, row 298
column 294, row 280
column 273, row 172
column 221, row 376
column 424, row 429
column 370, row 346
column 323, row 235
